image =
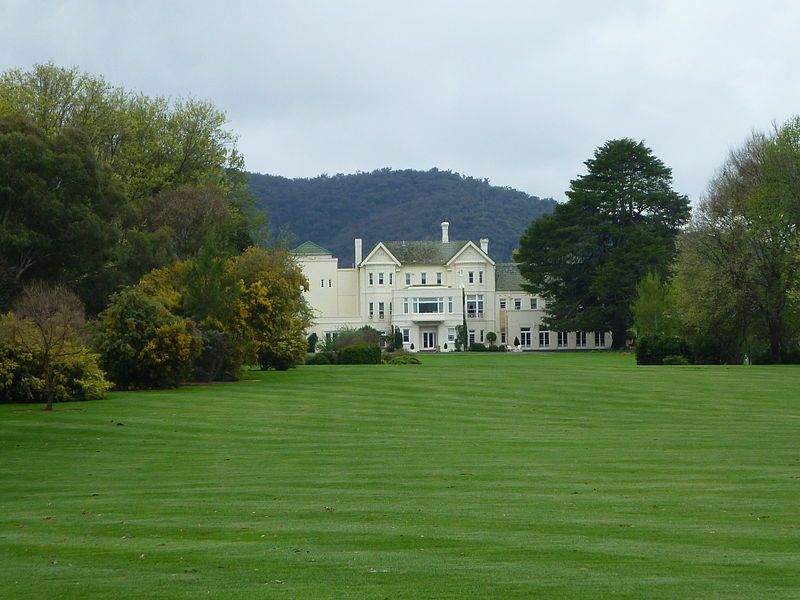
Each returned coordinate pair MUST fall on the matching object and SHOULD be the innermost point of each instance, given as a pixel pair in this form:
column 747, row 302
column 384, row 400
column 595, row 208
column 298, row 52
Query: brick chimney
column 445, row 235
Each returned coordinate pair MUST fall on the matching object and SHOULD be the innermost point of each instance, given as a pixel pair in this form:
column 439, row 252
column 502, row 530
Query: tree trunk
column 49, row 389
column 619, row 336
column 775, row 345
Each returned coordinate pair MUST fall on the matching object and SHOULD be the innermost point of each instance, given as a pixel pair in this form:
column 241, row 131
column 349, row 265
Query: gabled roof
column 381, row 246
column 424, row 253
column 472, row 245
column 507, row 278
column 307, row 248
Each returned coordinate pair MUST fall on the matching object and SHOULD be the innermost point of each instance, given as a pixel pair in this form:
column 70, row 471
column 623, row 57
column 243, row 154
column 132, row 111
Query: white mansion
column 425, row 289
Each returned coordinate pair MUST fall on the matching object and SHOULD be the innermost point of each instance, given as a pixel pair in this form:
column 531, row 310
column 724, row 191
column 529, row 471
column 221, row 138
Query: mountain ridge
column 388, row 204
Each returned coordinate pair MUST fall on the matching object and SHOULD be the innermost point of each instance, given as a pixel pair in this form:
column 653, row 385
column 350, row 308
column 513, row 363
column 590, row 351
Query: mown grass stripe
column 492, row 476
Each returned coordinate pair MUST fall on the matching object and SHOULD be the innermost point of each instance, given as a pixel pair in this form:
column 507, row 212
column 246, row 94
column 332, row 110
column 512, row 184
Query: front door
column 429, row 339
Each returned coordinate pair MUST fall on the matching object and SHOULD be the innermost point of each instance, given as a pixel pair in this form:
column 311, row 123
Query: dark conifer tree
column 620, row 222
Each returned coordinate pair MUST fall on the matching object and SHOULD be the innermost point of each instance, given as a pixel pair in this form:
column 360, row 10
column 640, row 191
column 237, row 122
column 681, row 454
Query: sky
column 520, row 93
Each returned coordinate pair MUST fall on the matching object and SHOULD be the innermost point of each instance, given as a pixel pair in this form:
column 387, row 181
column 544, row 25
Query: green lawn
column 471, row 476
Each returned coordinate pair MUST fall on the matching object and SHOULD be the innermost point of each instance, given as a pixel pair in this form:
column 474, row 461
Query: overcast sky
column 518, row 92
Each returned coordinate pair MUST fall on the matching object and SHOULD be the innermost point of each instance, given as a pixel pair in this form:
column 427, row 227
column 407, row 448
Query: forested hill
column 396, row 205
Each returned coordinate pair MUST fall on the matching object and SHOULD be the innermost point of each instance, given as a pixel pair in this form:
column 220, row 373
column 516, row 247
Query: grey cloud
column 519, row 92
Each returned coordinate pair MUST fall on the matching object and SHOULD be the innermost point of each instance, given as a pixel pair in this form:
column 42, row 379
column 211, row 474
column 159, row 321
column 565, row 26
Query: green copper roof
column 424, row 253
column 310, row 248
column 507, row 278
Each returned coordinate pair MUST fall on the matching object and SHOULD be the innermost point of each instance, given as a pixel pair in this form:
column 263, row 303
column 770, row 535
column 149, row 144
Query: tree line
column 720, row 284
column 134, row 211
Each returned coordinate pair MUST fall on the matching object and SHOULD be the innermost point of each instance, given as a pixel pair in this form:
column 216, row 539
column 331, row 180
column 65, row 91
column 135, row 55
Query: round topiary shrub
column 330, row 355
column 360, row 354
column 318, row 359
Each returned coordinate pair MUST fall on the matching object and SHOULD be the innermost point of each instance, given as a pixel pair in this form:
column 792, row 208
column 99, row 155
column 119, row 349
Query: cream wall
column 342, row 297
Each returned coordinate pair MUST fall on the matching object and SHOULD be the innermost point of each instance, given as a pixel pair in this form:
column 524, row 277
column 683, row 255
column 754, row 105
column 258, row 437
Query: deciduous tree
column 653, row 310
column 738, row 260
column 50, row 327
column 59, row 211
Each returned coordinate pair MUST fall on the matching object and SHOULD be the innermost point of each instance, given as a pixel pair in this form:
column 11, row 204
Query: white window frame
column 423, row 279
column 580, row 339
column 371, row 310
column 544, row 338
column 428, row 300
column 534, row 303
column 525, row 337
column 563, row 339
column 477, row 301
column 406, row 335
column 451, row 334
column 381, row 311
column 471, row 277
column 408, row 278
column 480, row 276
column 517, row 304
column 380, row 278
column 599, row 339
column 370, row 278
column 502, row 303
column 438, row 278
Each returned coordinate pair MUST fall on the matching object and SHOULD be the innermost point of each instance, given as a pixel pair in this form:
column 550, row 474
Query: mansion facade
column 426, row 289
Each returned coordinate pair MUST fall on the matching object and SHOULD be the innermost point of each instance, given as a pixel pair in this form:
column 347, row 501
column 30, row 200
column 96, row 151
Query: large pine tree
column 620, row 221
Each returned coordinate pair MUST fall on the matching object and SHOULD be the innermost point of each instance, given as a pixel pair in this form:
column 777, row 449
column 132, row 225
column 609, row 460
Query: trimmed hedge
column 651, row 350
column 675, row 360
column 360, row 354
column 405, row 359
column 477, row 347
